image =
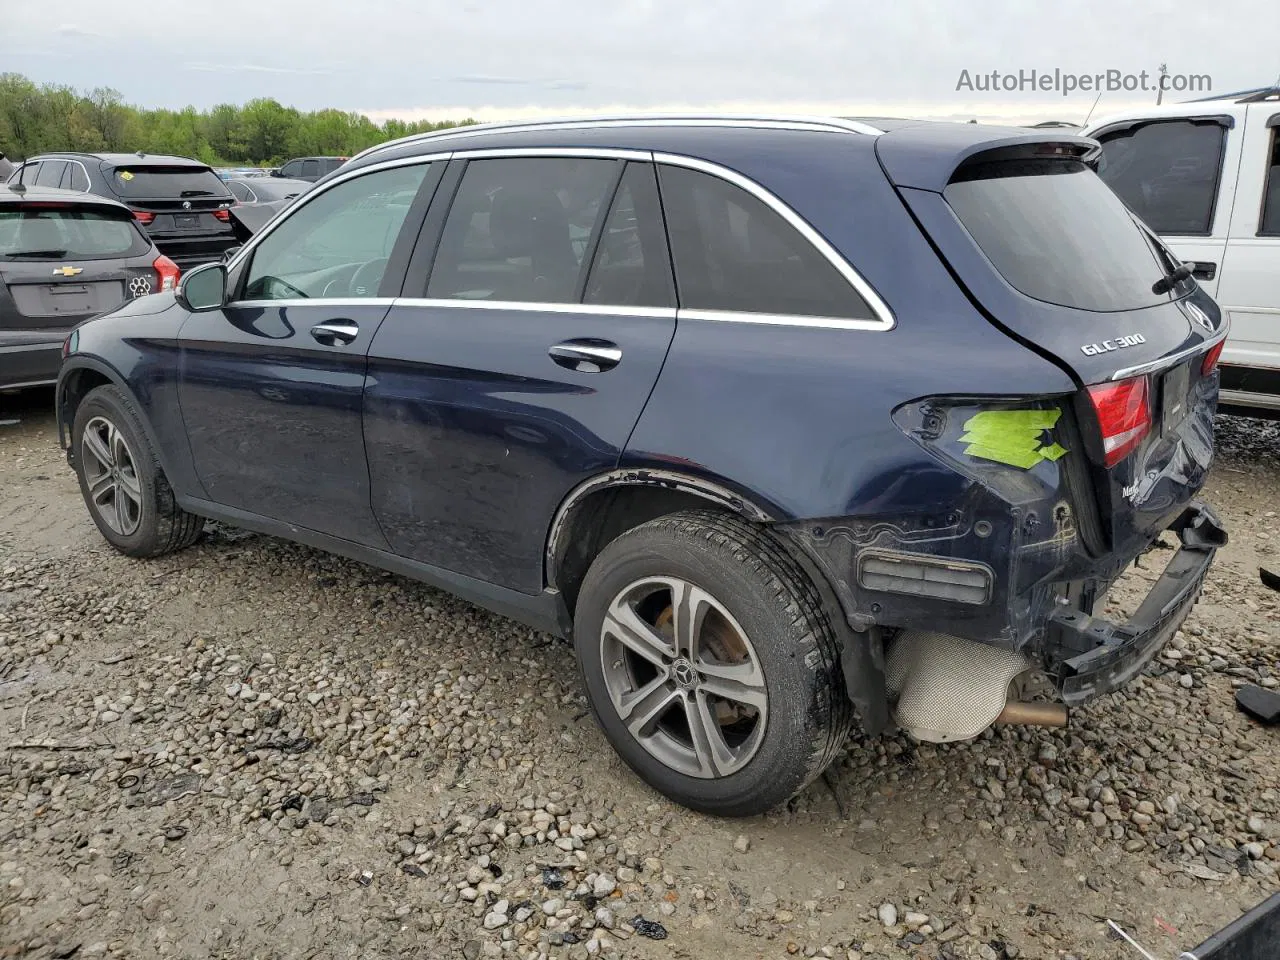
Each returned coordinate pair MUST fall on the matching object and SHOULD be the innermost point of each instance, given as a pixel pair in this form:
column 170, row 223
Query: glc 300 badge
column 1106, row 346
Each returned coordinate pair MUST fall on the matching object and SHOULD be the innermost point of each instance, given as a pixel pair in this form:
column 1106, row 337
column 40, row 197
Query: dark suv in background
column 310, row 169
column 784, row 422
column 65, row 257
column 182, row 203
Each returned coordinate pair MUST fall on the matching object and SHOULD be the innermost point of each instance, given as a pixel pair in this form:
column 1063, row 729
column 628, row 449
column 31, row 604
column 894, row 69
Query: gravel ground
column 252, row 749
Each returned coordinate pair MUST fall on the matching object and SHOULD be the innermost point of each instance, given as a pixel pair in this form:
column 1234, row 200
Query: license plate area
column 186, row 221
column 1175, row 398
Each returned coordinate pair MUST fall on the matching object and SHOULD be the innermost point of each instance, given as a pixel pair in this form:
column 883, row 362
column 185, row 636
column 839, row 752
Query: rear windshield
column 166, row 183
column 68, row 234
column 1057, row 233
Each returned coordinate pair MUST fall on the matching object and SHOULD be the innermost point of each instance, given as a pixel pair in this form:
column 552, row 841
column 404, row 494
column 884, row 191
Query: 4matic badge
column 1106, row 346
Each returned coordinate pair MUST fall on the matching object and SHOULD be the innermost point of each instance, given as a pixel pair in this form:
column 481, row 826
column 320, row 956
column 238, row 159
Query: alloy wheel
column 683, row 677
column 111, row 477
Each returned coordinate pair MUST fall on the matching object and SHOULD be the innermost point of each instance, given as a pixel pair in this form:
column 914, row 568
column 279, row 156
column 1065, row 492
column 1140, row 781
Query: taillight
column 1210, row 362
column 223, row 215
column 1123, row 414
column 143, row 217
column 167, row 272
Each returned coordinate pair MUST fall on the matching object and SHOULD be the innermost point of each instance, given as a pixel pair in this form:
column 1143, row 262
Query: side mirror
column 204, row 288
column 230, row 252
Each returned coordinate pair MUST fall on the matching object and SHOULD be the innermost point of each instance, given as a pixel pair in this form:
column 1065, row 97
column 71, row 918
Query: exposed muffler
column 949, row 689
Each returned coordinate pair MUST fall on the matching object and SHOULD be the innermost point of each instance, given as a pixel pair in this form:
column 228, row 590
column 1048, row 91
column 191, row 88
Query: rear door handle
column 1203, row 269
column 586, row 354
column 335, row 332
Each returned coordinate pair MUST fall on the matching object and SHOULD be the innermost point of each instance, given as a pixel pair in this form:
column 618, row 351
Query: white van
column 1205, row 175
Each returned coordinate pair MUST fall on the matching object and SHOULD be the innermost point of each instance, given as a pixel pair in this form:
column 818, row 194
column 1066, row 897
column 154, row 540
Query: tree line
column 37, row 118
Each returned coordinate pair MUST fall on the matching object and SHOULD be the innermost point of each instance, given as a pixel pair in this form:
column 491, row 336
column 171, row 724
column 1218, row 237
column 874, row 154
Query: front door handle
column 1203, row 269
column 586, row 355
column 335, row 332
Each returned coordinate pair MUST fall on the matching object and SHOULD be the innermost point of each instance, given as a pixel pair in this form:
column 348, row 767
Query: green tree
column 41, row 117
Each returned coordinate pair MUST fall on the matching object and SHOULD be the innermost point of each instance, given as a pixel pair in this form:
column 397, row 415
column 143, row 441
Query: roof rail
column 563, row 123
column 1256, row 95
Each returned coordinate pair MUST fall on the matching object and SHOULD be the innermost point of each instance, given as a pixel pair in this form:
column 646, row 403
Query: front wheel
column 709, row 663
column 124, row 488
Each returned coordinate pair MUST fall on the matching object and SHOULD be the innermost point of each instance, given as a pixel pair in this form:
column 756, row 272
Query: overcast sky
column 499, row 58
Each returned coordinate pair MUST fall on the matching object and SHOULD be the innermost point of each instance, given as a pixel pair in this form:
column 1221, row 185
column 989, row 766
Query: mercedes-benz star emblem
column 683, row 673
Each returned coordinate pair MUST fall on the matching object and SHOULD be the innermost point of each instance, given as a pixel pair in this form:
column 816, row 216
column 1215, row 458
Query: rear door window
column 1056, row 233
column 311, row 168
column 519, row 229
column 240, row 191
column 732, row 252
column 166, row 183
column 50, row 174
column 632, row 267
column 1167, row 173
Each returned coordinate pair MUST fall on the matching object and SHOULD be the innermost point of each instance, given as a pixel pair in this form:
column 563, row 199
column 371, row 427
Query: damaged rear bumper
column 1090, row 656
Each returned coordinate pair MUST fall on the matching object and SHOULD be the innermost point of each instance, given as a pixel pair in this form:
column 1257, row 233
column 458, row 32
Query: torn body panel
column 1009, row 560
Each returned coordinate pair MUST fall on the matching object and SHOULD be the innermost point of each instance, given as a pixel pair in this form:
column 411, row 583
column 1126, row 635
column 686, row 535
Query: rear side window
column 68, row 234
column 1270, row 225
column 79, row 180
column 1056, row 233
column 732, row 252
column 240, row 191
column 311, row 168
column 632, row 267
column 1167, row 173
column 166, row 183
column 519, row 229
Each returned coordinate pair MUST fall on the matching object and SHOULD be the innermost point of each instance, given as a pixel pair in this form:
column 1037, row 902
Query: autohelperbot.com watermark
column 1066, row 83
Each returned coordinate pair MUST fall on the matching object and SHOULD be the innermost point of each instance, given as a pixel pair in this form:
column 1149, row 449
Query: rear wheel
column 123, row 486
column 710, row 664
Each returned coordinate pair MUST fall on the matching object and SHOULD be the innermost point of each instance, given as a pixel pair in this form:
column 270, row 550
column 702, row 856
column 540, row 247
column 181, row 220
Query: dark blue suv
column 786, row 423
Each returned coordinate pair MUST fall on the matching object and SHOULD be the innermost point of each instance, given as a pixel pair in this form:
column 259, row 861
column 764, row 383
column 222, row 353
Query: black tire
column 743, row 568
column 158, row 525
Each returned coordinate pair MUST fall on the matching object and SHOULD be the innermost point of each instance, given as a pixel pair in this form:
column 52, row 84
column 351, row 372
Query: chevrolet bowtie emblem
column 67, row 271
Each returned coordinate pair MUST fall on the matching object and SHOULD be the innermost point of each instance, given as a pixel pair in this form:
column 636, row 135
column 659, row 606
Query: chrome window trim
column 745, row 121
column 317, row 302
column 884, row 316
column 783, row 319
column 1155, row 366
column 883, row 321
column 531, row 306
column 310, row 195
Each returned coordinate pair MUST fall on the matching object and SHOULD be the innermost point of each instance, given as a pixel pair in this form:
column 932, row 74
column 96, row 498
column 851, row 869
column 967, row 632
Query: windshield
column 1057, row 233
column 68, row 234
column 164, row 183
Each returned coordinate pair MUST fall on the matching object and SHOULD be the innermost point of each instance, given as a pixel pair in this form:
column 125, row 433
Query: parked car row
column 65, row 256
column 183, row 205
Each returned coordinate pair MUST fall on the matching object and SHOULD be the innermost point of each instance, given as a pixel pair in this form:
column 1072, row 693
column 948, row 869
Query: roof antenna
column 1091, row 109
column 20, row 187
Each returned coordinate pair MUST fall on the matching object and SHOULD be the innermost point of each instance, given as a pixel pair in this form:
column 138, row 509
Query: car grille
column 139, row 287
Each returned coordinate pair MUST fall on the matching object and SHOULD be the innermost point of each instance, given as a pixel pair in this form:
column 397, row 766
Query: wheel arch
column 80, row 375
column 602, row 508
